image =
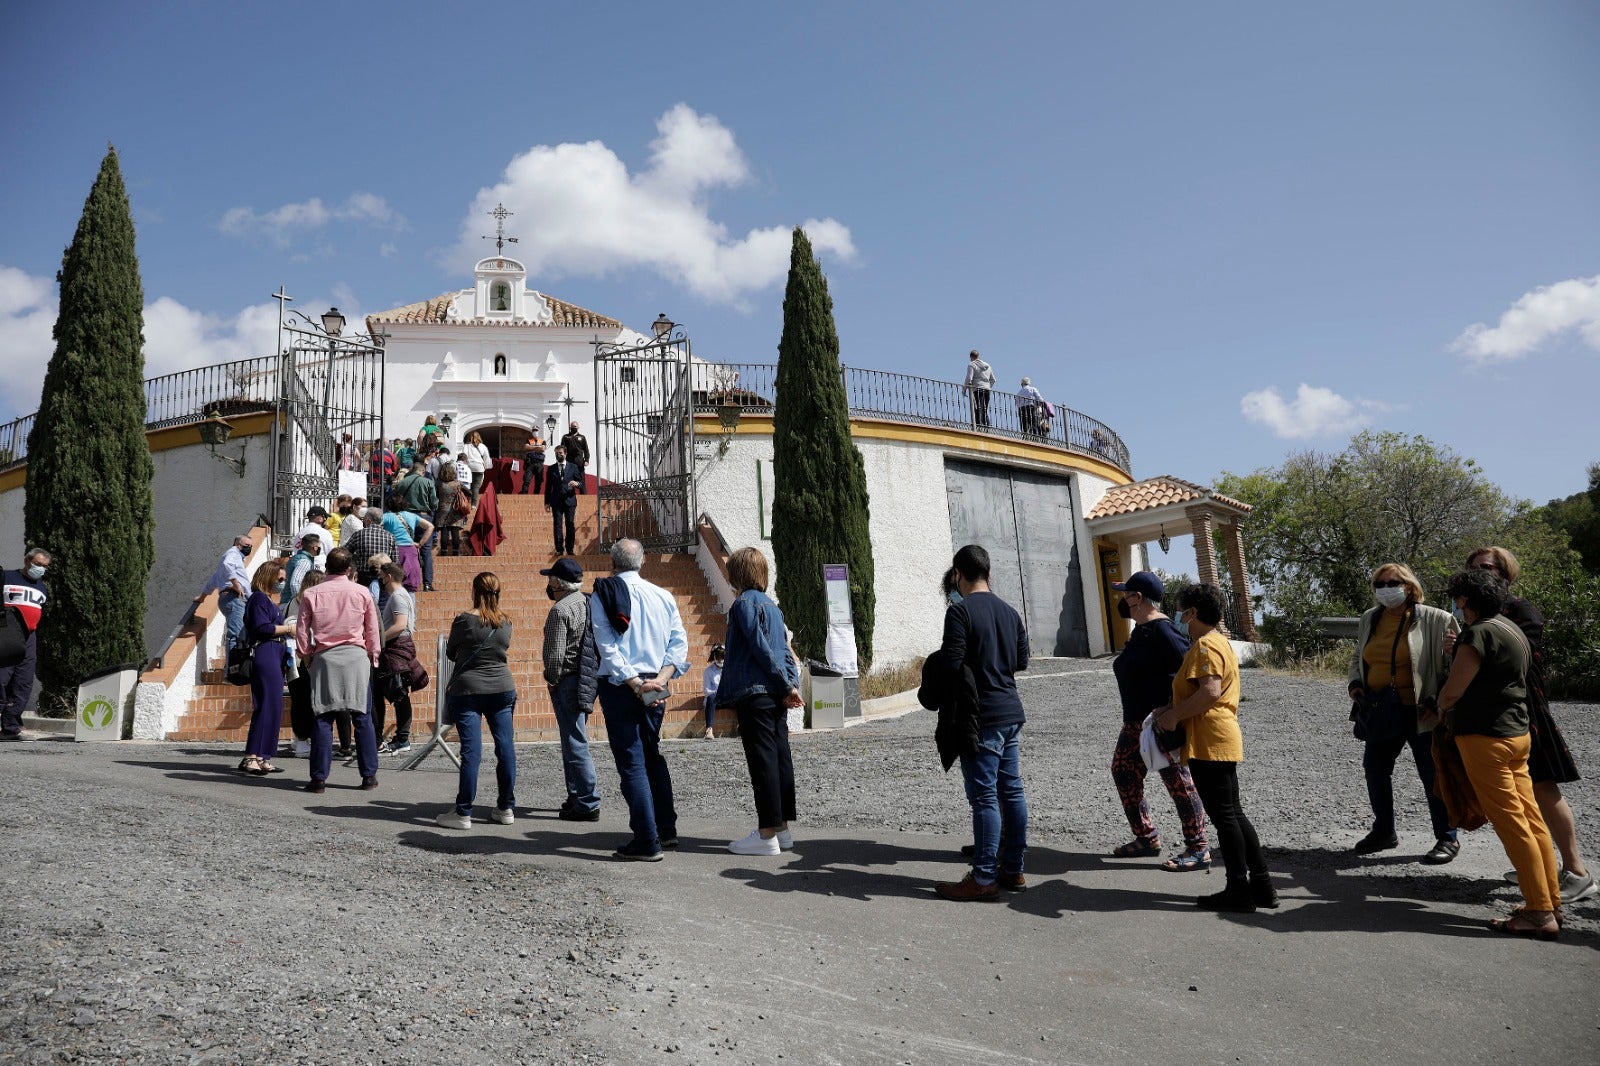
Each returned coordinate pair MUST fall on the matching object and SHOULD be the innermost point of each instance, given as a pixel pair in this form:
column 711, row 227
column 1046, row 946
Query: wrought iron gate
column 329, row 386
column 644, row 442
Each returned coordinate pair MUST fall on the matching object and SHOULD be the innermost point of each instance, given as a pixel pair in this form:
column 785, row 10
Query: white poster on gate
column 353, row 483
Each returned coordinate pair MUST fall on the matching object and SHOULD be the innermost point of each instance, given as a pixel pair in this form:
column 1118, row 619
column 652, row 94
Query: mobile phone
column 653, row 696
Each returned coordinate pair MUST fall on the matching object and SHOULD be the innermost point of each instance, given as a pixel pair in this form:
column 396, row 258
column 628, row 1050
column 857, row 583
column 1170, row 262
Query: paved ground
column 164, row 910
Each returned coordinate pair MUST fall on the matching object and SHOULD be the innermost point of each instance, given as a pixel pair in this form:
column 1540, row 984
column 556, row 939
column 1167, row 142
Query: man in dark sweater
column 1144, row 670
column 986, row 634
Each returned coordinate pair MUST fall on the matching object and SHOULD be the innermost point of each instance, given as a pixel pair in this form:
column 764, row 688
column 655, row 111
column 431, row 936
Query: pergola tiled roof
column 436, row 311
column 1162, row 491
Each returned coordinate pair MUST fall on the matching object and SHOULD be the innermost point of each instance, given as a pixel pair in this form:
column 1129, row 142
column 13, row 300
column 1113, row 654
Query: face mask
column 1458, row 615
column 280, row 586
column 954, row 596
column 1179, row 622
column 36, row 572
column 1122, row 609
column 1390, row 597
column 551, row 593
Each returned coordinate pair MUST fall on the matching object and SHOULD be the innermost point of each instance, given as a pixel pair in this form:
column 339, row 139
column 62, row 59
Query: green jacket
column 419, row 494
column 1425, row 638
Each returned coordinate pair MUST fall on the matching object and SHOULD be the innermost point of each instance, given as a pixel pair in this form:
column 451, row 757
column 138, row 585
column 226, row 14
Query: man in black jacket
column 986, row 635
column 561, row 485
column 577, row 446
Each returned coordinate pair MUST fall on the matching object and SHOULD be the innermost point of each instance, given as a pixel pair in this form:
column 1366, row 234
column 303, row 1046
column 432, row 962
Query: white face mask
column 1390, row 597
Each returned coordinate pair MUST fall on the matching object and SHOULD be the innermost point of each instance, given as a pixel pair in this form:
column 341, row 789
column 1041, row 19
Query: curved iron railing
column 176, row 399
column 923, row 401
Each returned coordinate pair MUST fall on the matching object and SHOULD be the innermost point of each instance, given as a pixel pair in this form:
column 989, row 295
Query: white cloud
column 579, row 212
column 1535, row 318
column 176, row 337
column 282, row 224
column 1314, row 412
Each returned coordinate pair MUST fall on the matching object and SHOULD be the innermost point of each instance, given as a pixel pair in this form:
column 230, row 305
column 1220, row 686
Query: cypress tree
column 819, row 501
column 89, row 468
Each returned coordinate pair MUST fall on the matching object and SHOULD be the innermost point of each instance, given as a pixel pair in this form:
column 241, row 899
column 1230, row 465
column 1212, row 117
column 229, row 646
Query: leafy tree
column 89, row 468
column 1323, row 522
column 1579, row 516
column 819, row 500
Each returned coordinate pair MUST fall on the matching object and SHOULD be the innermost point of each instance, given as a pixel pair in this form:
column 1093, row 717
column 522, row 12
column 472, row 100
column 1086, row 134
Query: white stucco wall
column 200, row 506
column 910, row 527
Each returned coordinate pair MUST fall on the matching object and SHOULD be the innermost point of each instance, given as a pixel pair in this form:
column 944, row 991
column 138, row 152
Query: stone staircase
column 220, row 712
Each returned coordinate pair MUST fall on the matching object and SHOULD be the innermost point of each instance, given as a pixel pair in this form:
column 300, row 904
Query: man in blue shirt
column 642, row 646
column 233, row 583
column 985, row 633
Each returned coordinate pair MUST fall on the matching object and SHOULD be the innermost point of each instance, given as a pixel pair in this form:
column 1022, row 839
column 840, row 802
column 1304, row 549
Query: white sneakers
column 451, row 820
column 505, row 817
column 1573, row 887
column 785, row 840
column 755, row 844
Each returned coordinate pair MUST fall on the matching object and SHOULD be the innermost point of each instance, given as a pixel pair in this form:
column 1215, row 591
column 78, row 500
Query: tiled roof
column 436, row 310
column 1160, row 492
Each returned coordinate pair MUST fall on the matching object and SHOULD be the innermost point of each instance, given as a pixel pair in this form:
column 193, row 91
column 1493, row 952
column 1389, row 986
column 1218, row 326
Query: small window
column 500, row 296
column 627, row 375
column 499, row 366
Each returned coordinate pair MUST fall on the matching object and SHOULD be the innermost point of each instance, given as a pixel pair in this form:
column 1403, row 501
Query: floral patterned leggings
column 1128, row 771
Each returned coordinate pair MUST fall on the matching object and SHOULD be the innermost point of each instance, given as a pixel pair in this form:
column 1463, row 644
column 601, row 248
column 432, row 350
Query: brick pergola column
column 1205, row 551
column 1233, row 537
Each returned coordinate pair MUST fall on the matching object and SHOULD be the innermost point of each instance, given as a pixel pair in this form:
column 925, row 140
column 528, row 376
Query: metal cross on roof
column 500, row 214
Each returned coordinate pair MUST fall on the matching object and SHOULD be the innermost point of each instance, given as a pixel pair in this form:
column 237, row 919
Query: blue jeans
column 322, row 746
column 498, row 708
column 425, row 559
column 993, row 776
column 576, row 763
column 635, row 734
column 1378, row 764
column 233, row 616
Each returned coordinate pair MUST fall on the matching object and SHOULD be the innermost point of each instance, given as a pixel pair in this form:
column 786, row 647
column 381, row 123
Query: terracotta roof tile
column 436, row 310
column 1159, row 492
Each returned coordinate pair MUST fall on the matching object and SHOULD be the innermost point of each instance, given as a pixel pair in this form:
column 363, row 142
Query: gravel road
column 164, row 910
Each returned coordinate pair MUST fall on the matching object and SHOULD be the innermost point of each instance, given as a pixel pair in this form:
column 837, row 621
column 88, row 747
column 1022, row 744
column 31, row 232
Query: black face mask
column 552, row 593
column 1122, row 609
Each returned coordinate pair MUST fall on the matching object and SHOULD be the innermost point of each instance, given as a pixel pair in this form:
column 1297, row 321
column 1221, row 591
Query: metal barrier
column 753, row 387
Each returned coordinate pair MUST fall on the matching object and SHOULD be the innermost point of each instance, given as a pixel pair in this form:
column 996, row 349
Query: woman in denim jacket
column 760, row 681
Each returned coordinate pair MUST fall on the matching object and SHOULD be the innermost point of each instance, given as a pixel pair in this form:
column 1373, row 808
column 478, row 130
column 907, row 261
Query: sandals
column 1137, row 849
column 1549, row 931
column 250, row 764
column 262, row 768
column 1192, row 859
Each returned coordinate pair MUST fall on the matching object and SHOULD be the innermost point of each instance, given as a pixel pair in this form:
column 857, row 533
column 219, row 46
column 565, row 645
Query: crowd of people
column 1462, row 688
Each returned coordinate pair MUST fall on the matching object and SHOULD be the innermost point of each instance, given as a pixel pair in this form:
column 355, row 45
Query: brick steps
column 220, row 713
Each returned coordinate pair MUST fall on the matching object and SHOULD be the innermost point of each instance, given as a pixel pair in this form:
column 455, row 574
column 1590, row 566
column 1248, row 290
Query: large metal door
column 644, row 443
column 1026, row 522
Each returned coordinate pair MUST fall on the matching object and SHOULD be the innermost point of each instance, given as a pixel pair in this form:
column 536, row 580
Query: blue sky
column 1228, row 231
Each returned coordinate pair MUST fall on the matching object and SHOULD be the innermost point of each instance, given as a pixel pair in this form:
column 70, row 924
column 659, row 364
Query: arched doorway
column 503, row 441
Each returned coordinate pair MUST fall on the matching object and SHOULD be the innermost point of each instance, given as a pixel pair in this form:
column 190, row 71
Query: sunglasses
column 1388, row 584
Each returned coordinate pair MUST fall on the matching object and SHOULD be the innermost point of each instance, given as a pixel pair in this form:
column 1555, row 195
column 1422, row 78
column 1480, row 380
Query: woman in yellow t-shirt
column 1205, row 700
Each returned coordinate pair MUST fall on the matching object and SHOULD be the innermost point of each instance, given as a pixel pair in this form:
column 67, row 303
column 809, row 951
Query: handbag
column 1380, row 716
column 1171, row 739
column 241, row 664
column 463, row 504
